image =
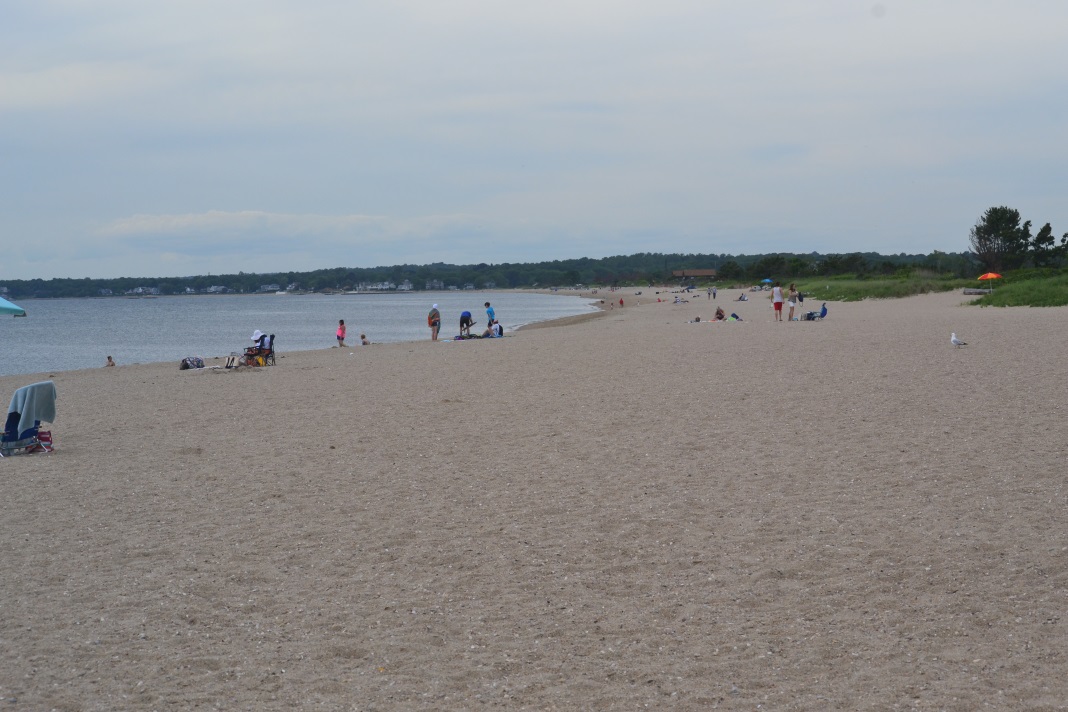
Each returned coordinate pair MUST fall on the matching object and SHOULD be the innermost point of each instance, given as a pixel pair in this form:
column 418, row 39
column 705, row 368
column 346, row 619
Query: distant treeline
column 639, row 269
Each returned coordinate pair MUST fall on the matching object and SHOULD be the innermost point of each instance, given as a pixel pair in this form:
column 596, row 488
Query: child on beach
column 341, row 332
column 110, row 362
column 364, row 341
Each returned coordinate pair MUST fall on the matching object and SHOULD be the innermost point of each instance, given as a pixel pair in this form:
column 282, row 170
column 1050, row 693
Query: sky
column 184, row 138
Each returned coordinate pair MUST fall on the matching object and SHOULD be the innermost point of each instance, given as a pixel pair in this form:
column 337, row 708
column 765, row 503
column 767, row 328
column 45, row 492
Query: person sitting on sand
column 720, row 314
column 695, row 320
column 743, row 297
column 110, row 362
column 364, row 341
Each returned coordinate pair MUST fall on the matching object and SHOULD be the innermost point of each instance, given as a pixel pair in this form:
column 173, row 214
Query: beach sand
column 622, row 512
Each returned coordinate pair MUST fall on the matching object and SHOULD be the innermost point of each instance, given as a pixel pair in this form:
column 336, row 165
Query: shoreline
column 221, row 357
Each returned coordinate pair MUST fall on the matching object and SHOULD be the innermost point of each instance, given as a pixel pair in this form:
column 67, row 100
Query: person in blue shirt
column 465, row 323
column 490, row 315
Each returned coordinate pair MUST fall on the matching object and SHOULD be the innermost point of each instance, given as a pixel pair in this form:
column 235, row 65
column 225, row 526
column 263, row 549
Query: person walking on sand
column 776, row 301
column 621, row 301
column 791, row 300
column 433, row 320
column 341, row 332
column 713, row 292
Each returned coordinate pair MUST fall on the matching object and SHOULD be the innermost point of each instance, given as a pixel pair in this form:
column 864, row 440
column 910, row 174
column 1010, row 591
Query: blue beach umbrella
column 767, row 281
column 7, row 307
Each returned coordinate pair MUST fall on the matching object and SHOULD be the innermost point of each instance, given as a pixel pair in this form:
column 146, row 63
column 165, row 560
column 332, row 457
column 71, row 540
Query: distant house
column 405, row 286
column 270, row 287
column 489, row 285
column 694, row 273
column 435, row 284
column 102, row 292
column 216, row 289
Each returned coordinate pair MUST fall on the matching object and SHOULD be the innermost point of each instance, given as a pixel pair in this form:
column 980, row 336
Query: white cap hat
column 435, row 306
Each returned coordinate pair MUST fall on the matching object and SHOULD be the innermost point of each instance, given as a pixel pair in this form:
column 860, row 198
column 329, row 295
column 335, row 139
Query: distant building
column 217, row 289
column 694, row 273
column 405, row 286
column 270, row 287
column 102, row 292
column 435, row 284
column 489, row 285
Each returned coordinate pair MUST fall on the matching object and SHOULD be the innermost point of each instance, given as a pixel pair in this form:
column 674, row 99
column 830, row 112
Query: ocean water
column 69, row 334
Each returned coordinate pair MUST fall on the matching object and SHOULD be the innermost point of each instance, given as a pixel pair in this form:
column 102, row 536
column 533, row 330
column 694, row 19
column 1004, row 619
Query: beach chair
column 261, row 356
column 30, row 406
column 815, row 316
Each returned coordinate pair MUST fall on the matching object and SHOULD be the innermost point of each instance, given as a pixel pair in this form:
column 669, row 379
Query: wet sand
column 619, row 512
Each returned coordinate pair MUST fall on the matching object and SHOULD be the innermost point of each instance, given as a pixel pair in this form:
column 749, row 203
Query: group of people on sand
column 720, row 316
column 793, row 299
column 493, row 327
column 341, row 335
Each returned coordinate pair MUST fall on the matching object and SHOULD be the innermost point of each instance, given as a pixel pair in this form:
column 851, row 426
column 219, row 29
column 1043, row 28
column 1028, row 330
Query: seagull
column 955, row 341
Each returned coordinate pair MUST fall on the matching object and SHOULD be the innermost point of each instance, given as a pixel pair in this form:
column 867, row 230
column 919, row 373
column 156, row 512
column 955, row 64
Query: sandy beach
column 623, row 512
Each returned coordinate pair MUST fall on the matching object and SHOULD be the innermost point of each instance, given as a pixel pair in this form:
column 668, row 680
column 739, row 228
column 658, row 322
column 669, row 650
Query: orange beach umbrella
column 990, row 275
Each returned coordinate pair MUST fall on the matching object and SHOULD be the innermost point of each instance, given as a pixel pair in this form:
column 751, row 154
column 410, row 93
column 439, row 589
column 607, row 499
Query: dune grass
column 852, row 289
column 1022, row 288
column 1027, row 289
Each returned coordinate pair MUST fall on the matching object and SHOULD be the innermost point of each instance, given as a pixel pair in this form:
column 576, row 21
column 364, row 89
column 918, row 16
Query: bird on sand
column 955, row 341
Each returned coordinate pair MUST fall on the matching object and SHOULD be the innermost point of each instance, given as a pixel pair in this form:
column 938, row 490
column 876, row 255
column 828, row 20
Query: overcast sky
column 178, row 138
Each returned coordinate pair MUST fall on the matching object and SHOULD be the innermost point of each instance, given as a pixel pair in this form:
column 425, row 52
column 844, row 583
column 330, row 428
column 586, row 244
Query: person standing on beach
column 791, row 299
column 490, row 315
column 465, row 323
column 776, row 301
column 433, row 320
column 713, row 292
column 341, row 332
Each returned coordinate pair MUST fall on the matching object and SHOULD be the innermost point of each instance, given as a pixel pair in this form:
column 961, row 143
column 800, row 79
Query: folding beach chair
column 815, row 316
column 261, row 355
column 30, row 406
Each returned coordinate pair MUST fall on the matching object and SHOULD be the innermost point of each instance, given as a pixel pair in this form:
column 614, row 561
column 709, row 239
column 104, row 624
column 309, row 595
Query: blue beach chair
column 30, row 406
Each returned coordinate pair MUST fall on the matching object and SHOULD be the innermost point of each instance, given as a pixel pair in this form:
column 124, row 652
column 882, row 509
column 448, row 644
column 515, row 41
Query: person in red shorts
column 776, row 301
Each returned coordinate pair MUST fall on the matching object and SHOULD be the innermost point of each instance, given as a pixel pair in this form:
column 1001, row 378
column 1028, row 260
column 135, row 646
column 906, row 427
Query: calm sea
column 68, row 334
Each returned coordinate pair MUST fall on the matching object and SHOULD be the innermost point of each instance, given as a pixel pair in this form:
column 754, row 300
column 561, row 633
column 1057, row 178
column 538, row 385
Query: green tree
column 998, row 239
column 1043, row 248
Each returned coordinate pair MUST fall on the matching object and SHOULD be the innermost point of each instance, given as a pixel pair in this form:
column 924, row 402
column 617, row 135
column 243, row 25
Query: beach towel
column 35, row 402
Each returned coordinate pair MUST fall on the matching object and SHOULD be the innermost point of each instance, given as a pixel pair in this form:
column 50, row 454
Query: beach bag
column 191, row 362
column 44, row 442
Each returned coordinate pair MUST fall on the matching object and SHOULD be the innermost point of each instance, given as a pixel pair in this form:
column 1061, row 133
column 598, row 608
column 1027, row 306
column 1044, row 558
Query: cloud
column 184, row 133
